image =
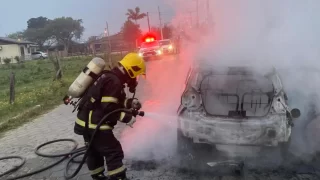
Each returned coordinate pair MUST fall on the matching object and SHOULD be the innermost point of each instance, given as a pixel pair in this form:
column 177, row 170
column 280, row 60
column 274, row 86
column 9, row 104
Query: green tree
column 166, row 30
column 131, row 32
column 37, row 23
column 65, row 29
column 39, row 36
column 16, row 35
column 135, row 14
column 92, row 39
column 37, row 31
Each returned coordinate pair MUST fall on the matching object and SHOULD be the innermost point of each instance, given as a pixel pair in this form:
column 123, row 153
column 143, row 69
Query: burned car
column 236, row 106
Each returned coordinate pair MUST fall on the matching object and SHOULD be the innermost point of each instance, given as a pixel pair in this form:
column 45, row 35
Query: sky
column 93, row 13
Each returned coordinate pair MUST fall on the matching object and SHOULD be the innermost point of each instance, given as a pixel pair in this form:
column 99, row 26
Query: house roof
column 14, row 41
column 115, row 37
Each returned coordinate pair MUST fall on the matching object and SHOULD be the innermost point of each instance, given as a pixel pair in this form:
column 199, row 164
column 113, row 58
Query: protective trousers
column 105, row 145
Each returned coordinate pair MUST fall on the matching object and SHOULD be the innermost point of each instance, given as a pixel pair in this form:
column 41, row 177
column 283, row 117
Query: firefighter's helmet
column 134, row 65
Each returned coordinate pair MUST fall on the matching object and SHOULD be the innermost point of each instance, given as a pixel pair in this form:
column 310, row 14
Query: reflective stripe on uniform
column 116, row 171
column 97, row 171
column 109, row 99
column 122, row 114
column 92, row 126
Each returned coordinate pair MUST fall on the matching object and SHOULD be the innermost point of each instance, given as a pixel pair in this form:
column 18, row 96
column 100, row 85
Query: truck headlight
column 159, row 52
column 170, row 47
column 140, row 54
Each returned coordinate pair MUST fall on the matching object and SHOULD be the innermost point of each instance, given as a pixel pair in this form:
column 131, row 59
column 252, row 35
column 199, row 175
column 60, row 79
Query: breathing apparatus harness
column 90, row 99
column 87, row 103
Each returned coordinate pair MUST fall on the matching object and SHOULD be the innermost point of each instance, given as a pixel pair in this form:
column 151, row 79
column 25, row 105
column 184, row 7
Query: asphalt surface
column 150, row 146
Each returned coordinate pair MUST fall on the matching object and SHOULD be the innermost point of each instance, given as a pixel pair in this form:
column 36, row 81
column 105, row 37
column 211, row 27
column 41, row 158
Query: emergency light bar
column 151, row 39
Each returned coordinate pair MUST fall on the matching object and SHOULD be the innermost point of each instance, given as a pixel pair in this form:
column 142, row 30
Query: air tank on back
column 89, row 74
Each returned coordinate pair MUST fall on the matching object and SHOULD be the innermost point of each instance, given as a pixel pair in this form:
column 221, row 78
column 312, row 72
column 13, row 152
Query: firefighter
column 105, row 95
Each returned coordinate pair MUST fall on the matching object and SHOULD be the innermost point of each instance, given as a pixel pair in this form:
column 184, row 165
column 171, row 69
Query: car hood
column 149, row 49
column 166, row 46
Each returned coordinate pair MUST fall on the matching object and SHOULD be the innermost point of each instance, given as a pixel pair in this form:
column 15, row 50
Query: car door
column 35, row 55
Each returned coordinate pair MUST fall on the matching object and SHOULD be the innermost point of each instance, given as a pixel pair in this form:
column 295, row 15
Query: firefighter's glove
column 132, row 84
column 131, row 122
column 136, row 105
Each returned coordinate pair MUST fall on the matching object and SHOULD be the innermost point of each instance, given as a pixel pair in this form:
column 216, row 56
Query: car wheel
column 284, row 150
column 185, row 151
column 193, row 156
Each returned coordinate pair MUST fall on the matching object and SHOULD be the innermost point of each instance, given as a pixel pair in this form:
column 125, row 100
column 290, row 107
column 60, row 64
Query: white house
column 10, row 48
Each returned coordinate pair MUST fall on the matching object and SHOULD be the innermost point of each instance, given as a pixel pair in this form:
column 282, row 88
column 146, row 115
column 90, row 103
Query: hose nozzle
column 141, row 113
column 137, row 113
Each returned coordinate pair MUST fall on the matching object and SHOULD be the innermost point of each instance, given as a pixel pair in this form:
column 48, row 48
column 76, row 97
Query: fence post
column 12, row 84
column 58, row 68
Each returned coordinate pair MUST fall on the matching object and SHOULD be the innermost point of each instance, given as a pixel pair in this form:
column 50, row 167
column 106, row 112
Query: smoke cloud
column 283, row 34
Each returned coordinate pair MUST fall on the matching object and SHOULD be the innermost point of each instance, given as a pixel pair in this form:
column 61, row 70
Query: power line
column 197, row 1
column 161, row 13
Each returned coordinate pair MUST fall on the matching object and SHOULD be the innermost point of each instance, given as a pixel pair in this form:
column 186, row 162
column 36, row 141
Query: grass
column 35, row 86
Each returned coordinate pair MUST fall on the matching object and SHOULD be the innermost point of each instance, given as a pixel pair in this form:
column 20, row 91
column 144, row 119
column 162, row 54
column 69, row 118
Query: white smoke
column 284, row 34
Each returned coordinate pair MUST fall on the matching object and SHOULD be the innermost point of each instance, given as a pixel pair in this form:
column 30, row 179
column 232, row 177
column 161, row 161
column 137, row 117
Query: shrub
column 6, row 60
column 17, row 58
column 23, row 66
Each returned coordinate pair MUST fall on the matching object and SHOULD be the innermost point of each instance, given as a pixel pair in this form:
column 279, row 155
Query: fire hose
column 74, row 153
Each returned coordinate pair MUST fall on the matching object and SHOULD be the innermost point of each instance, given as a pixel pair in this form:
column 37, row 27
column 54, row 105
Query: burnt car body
column 234, row 106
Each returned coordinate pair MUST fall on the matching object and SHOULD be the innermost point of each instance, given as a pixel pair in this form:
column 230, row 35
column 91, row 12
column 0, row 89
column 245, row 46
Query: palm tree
column 135, row 14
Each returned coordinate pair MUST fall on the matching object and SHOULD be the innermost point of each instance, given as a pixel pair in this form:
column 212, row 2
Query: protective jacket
column 105, row 95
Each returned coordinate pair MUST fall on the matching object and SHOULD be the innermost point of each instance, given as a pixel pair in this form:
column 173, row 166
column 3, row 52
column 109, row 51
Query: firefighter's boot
column 99, row 177
column 119, row 176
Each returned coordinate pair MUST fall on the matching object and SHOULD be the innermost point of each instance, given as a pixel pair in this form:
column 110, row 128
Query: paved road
column 149, row 146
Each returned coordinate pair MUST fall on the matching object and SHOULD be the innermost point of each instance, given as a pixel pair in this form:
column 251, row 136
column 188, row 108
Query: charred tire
column 284, row 150
column 193, row 156
column 186, row 152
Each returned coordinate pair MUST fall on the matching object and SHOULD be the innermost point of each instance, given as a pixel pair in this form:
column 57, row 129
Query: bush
column 17, row 58
column 6, row 60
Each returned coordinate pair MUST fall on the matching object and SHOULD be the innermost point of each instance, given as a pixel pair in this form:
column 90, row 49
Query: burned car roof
column 233, row 74
column 233, row 87
column 232, row 70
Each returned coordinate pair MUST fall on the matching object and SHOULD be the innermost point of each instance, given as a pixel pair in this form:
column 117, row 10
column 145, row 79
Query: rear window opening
column 236, row 95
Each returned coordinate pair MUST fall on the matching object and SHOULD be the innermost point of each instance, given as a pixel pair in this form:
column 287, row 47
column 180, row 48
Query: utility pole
column 148, row 21
column 109, row 44
column 208, row 12
column 190, row 22
column 160, row 23
column 197, row 1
